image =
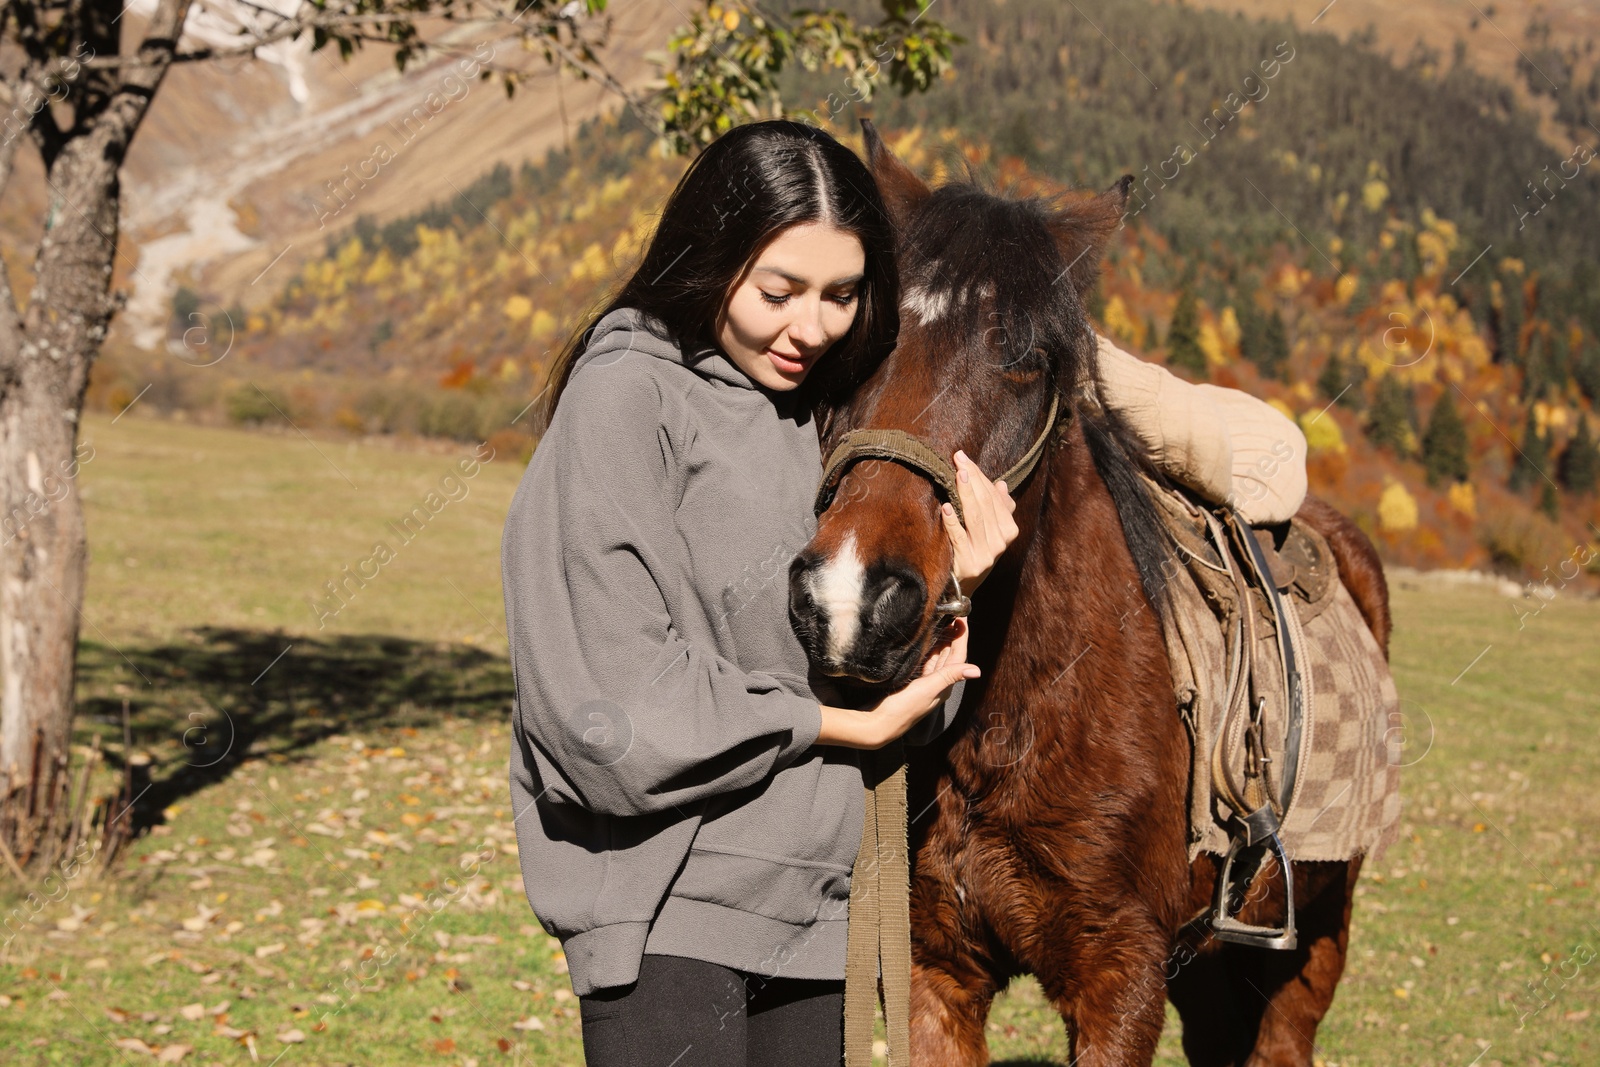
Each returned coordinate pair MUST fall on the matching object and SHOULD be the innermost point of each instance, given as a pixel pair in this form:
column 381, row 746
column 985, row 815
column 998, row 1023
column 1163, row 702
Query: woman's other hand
column 899, row 711
column 989, row 529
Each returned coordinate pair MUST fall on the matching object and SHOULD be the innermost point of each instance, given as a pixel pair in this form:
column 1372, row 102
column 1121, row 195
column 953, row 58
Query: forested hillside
column 1389, row 253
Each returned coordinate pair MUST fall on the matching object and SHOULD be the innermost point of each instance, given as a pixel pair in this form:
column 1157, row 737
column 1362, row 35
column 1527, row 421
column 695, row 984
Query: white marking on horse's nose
column 836, row 588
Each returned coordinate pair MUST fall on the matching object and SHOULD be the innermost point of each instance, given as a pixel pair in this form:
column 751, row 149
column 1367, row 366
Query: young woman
column 687, row 811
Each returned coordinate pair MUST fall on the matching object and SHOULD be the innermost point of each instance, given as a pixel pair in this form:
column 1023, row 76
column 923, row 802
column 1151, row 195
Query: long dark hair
column 745, row 188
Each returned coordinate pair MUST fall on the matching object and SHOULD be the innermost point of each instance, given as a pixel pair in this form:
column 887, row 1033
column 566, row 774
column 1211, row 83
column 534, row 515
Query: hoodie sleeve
column 1224, row 443
column 1184, row 429
column 623, row 716
column 1268, row 473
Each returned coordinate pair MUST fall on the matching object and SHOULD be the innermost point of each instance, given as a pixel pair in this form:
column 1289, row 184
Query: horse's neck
column 1071, row 614
column 1078, row 566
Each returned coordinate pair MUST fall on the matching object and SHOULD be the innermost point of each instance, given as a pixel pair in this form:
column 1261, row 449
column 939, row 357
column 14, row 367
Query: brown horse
column 1049, row 831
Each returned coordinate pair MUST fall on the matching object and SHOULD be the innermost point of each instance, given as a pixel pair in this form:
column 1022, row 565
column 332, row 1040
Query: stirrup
column 1223, row 924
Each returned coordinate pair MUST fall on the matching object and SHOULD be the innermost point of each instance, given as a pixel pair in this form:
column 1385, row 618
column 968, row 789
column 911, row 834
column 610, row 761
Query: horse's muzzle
column 857, row 621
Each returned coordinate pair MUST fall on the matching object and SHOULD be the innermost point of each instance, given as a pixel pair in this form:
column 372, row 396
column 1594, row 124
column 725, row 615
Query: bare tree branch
column 132, row 97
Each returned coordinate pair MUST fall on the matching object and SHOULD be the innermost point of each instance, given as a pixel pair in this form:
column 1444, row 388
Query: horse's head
column 992, row 330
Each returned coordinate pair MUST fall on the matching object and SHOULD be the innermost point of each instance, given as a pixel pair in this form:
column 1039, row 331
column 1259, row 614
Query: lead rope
column 880, row 921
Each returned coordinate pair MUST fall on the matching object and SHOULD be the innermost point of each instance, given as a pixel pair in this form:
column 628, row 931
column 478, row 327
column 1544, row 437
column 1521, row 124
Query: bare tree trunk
column 43, row 563
column 45, row 357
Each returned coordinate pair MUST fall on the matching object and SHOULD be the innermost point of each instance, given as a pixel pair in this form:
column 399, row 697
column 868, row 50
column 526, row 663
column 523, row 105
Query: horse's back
column 1360, row 569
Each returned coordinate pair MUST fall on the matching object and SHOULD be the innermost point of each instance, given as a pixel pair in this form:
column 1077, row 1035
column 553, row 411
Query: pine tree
column 1263, row 340
column 1183, row 334
column 1277, row 357
column 1389, row 422
column 1586, row 369
column 1580, row 463
column 1334, row 382
column 1548, row 501
column 1533, row 455
column 1444, row 444
column 1508, row 321
column 1152, row 339
column 1546, row 366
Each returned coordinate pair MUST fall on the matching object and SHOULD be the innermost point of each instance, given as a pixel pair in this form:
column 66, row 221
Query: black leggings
column 688, row 1013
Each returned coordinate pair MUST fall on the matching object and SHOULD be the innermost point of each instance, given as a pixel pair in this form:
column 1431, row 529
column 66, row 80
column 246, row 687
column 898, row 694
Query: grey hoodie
column 667, row 792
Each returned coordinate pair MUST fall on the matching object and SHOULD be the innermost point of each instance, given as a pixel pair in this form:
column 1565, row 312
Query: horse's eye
column 1026, row 369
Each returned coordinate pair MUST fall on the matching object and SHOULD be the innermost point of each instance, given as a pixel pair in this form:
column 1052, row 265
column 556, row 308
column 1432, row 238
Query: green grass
column 336, row 857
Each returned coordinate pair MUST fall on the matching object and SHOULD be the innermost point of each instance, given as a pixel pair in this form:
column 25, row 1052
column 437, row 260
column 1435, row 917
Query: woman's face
column 796, row 300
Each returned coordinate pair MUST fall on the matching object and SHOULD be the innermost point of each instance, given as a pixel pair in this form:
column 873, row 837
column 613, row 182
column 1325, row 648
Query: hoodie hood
column 628, row 330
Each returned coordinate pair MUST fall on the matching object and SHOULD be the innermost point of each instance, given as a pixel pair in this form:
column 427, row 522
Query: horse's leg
column 1108, row 985
column 949, row 1006
column 1252, row 1007
column 1218, row 1030
column 1296, row 988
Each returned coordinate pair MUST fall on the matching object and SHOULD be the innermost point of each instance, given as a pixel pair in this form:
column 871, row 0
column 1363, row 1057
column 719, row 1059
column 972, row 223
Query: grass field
column 335, row 879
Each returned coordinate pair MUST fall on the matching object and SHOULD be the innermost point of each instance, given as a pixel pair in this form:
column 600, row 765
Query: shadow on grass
column 220, row 697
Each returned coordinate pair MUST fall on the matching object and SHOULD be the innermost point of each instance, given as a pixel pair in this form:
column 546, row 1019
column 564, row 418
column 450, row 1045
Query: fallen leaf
column 201, row 919
column 291, row 1037
column 173, row 1053
column 532, row 1022
column 193, row 1012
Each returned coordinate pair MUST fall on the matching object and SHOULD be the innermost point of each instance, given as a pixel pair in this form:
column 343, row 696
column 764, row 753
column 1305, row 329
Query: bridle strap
column 902, row 447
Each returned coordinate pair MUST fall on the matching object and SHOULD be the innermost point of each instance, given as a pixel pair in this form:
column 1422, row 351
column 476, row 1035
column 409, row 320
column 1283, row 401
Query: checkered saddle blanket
column 1346, row 794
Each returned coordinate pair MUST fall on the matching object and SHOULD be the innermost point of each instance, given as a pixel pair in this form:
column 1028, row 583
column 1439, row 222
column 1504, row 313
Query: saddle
column 1248, row 576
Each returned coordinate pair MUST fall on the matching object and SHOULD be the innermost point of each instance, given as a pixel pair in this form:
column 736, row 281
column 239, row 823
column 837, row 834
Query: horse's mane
column 1120, row 455
column 966, row 241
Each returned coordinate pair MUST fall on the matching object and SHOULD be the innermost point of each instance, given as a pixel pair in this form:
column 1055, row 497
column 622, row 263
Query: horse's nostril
column 804, row 611
column 897, row 604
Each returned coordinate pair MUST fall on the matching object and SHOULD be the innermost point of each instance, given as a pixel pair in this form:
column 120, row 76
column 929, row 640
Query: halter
column 913, row 452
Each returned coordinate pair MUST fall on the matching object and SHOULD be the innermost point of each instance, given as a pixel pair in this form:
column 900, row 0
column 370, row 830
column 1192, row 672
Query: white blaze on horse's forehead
column 837, row 587
column 928, row 303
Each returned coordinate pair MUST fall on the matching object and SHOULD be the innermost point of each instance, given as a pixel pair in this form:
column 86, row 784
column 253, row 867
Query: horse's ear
column 902, row 191
column 1084, row 226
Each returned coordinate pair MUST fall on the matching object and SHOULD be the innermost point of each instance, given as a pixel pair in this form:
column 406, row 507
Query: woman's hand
column 990, row 528
column 899, row 711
